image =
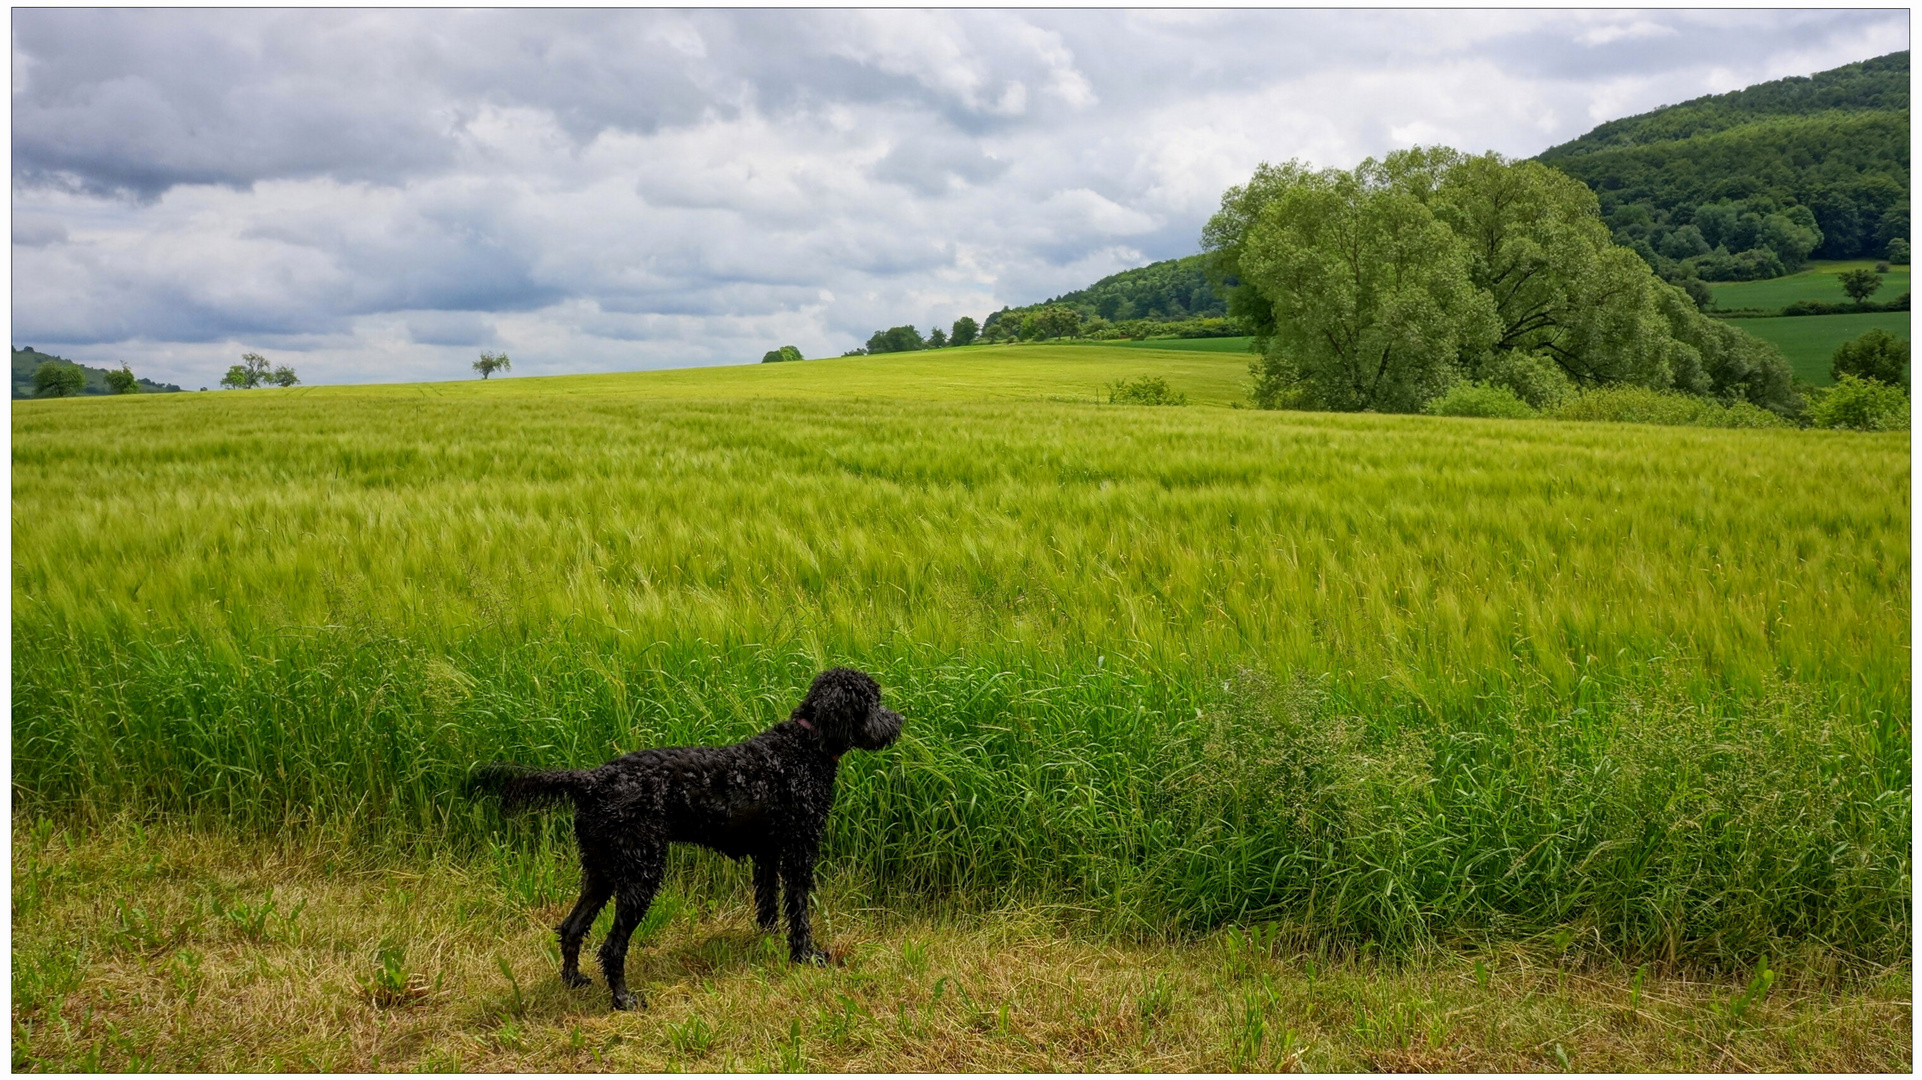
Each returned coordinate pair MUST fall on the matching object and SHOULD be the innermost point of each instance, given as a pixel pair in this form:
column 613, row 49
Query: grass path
column 165, row 949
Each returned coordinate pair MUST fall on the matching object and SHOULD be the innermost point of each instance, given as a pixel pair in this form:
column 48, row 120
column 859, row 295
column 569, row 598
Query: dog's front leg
column 797, row 872
column 767, row 890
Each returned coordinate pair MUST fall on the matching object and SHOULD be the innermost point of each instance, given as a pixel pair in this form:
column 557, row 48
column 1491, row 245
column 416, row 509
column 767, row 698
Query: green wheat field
column 1378, row 683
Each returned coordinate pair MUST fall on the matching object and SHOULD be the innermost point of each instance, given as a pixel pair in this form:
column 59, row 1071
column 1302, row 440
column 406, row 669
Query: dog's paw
column 575, row 979
column 628, row 1001
column 813, row 957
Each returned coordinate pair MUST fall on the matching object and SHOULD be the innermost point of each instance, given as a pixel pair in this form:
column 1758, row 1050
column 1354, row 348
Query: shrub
column 1480, row 399
column 1531, row 376
column 784, row 354
column 1640, row 405
column 1862, row 404
column 1147, row 390
column 58, row 378
column 896, row 339
column 123, row 381
column 1877, row 355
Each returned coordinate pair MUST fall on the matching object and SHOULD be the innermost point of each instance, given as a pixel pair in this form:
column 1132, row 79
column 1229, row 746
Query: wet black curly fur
column 766, row 798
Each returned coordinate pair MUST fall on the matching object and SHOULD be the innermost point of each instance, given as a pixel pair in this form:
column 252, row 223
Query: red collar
column 810, row 727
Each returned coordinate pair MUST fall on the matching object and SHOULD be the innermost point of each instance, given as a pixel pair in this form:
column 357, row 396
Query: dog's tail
column 521, row 788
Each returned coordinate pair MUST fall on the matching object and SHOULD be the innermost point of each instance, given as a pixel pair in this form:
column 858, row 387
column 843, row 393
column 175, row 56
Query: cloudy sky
column 381, row 195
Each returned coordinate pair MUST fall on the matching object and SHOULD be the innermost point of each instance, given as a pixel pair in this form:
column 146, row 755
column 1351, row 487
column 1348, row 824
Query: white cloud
column 1614, row 32
column 382, row 194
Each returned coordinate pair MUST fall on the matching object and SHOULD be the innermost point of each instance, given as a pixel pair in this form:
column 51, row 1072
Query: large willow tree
column 1380, row 287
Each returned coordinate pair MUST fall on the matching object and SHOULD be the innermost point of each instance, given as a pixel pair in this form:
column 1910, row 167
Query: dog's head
column 844, row 705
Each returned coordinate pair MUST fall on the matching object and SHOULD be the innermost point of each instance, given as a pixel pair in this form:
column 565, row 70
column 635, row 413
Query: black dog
column 767, row 797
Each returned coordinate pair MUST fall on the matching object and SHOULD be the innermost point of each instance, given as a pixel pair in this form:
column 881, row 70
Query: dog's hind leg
column 573, row 929
column 797, row 873
column 767, row 890
column 631, row 900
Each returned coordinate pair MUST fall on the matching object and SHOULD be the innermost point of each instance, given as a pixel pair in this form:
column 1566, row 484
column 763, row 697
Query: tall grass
column 1378, row 678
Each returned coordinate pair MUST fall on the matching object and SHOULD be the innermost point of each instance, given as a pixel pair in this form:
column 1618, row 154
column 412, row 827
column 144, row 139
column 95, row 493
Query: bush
column 1531, row 376
column 1861, row 404
column 784, row 354
column 1640, row 405
column 1877, row 355
column 58, row 378
column 1480, row 399
column 123, row 381
column 896, row 339
column 1147, row 390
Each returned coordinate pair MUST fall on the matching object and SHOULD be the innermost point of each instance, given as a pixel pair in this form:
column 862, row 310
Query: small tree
column 964, row 331
column 1860, row 284
column 253, row 370
column 783, row 355
column 123, row 381
column 57, row 378
column 937, row 338
column 1863, row 404
column 284, row 376
column 1877, row 355
column 1899, row 251
column 489, row 363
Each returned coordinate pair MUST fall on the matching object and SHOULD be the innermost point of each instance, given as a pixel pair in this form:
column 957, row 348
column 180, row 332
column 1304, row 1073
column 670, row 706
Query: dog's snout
column 884, row 728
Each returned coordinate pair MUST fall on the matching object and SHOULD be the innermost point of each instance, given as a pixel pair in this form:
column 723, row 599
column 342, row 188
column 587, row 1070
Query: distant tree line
column 1382, row 287
column 1752, row 184
column 1171, row 298
column 1056, row 321
column 895, row 339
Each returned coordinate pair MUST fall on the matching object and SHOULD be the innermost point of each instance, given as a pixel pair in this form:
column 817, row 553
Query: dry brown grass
column 156, row 949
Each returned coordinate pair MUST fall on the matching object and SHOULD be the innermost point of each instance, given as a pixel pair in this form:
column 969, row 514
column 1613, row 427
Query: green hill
column 25, row 360
column 1880, row 85
column 1726, row 187
column 1166, row 292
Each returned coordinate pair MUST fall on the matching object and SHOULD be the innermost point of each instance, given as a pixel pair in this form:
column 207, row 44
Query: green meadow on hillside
column 1821, row 281
column 1809, row 341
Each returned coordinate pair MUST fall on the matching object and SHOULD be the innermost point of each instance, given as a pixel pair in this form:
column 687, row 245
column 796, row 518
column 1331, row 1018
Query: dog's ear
column 838, row 704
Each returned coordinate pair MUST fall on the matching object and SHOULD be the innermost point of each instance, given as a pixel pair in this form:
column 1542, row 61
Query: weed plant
column 1380, row 681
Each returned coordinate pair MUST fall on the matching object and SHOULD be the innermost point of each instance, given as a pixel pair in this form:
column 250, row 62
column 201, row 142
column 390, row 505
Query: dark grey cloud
column 386, row 192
